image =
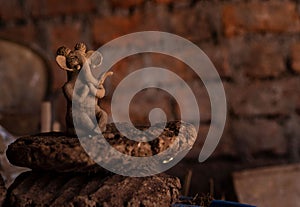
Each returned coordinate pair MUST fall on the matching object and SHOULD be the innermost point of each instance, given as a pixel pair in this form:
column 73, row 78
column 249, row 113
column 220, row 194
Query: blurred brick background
column 254, row 45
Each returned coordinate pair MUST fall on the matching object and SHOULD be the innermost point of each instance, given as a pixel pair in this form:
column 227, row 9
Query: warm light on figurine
column 92, row 89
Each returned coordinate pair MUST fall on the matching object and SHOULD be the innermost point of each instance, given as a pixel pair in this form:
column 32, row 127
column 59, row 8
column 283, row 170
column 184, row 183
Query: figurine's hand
column 100, row 92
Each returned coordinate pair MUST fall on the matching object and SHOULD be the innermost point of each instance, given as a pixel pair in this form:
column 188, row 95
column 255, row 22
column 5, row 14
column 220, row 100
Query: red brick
column 225, row 147
column 196, row 149
column 146, row 100
column 172, row 64
column 202, row 98
column 198, row 90
column 259, row 57
column 57, row 7
column 108, row 28
column 150, row 22
column 295, row 58
column 259, row 136
column 129, row 65
column 275, row 17
column 11, row 10
column 126, row 4
column 26, row 34
column 121, row 70
column 264, row 98
column 219, row 56
column 164, row 1
column 264, row 60
column 181, row 23
column 191, row 24
column 292, row 133
column 59, row 76
column 141, row 104
column 124, row 68
column 64, row 34
column 170, row 1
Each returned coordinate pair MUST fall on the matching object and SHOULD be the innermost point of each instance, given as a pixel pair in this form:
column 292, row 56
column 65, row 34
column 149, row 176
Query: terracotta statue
column 86, row 99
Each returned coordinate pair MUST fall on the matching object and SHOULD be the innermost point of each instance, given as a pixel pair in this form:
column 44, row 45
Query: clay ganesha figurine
column 91, row 90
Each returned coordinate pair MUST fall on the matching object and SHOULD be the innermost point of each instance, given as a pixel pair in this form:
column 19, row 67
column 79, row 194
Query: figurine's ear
column 95, row 58
column 61, row 61
column 104, row 76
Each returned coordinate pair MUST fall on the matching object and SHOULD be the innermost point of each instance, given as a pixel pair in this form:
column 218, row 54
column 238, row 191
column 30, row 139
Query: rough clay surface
column 57, row 152
column 71, row 189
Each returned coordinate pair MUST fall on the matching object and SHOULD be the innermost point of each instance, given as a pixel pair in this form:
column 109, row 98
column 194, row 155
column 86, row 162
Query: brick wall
column 254, row 45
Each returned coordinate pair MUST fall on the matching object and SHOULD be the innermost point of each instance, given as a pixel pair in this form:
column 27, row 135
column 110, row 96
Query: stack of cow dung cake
column 64, row 175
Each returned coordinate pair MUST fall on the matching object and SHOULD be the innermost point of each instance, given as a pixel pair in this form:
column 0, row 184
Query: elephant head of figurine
column 73, row 60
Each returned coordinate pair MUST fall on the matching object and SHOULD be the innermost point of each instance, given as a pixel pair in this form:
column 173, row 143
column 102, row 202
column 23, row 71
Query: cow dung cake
column 78, row 189
column 61, row 153
column 64, row 175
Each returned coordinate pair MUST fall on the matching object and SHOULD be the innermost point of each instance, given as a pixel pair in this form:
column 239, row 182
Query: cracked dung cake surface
column 79, row 189
column 61, row 153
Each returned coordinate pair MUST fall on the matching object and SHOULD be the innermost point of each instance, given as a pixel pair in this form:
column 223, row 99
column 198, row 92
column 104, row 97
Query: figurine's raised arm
column 104, row 76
